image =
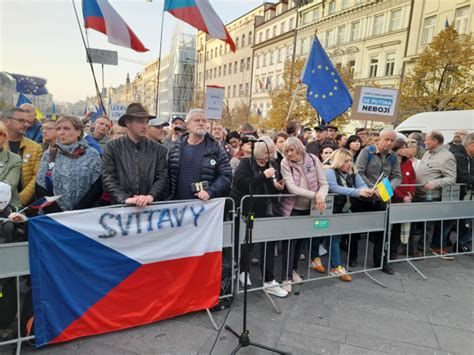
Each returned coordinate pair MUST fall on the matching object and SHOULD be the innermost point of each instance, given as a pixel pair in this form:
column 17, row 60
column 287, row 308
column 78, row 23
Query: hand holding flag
column 42, row 203
column 384, row 189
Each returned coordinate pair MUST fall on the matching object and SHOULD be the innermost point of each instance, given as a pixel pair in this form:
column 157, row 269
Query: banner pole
column 157, row 110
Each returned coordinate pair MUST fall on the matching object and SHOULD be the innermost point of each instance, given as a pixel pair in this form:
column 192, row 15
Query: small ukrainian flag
column 385, row 190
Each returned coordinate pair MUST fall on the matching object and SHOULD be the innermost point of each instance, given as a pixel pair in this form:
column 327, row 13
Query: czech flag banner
column 99, row 270
column 200, row 15
column 385, row 190
column 101, row 16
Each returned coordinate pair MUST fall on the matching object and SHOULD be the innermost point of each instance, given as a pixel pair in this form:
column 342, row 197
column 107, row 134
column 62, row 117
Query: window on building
column 274, row 31
column 280, row 55
column 429, row 27
column 355, row 31
column 389, row 64
column 257, row 60
column 260, row 37
column 396, row 20
column 332, row 7
column 230, row 68
column 282, row 27
column 236, row 42
column 267, row 33
column 272, row 58
column 248, row 63
column 247, row 89
column 278, row 81
column 461, row 22
column 341, row 34
column 292, row 24
column 344, row 4
column 234, row 91
column 224, row 71
column 220, row 49
column 289, row 51
column 306, row 17
column 374, row 64
column 242, row 65
column 241, row 90
column 250, row 38
column 215, row 73
column 257, row 85
column 351, row 65
column 228, row 91
column 329, row 38
column 358, row 2
column 220, row 71
column 264, row 64
column 235, row 67
column 302, row 45
column 210, row 74
column 316, row 13
column 378, row 24
column 243, row 40
column 215, row 52
column 207, row 55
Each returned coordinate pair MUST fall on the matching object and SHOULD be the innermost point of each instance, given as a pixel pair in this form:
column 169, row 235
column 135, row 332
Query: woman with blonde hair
column 70, row 169
column 304, row 176
column 348, row 185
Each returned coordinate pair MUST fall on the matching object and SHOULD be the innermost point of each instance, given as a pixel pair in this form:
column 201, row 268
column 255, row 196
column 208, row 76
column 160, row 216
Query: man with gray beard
column 198, row 165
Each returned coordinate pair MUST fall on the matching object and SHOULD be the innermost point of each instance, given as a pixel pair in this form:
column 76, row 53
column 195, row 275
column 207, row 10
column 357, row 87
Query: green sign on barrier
column 321, row 224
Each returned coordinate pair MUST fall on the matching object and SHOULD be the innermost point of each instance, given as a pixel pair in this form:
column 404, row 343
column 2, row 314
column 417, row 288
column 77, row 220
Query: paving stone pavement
column 410, row 316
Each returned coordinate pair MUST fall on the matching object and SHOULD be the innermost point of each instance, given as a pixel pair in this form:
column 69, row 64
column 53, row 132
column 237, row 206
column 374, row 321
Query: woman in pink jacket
column 304, row 176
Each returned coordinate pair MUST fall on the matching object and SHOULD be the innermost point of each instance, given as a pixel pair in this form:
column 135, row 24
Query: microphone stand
column 244, row 339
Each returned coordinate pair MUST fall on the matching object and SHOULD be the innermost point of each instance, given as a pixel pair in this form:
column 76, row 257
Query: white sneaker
column 296, row 277
column 274, row 288
column 286, row 285
column 322, row 250
column 302, row 257
column 242, row 279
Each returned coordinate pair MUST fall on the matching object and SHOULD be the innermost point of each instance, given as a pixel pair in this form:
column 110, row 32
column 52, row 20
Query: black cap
column 321, row 128
column 178, row 117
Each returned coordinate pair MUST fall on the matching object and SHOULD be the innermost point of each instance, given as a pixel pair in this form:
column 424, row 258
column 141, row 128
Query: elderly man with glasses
column 16, row 123
column 33, row 131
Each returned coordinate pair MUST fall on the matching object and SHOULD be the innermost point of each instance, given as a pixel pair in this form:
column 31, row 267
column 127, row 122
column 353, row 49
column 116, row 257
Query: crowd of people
column 141, row 159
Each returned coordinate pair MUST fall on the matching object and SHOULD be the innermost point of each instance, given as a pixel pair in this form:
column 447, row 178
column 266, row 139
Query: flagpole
column 89, row 59
column 292, row 102
column 157, row 110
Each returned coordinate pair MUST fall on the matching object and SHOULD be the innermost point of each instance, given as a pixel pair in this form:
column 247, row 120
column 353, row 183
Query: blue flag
column 30, row 84
column 22, row 99
column 326, row 91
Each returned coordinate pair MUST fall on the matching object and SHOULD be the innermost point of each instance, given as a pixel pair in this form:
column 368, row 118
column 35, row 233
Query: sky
column 41, row 38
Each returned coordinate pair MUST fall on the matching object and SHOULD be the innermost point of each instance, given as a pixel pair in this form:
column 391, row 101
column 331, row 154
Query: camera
column 199, row 186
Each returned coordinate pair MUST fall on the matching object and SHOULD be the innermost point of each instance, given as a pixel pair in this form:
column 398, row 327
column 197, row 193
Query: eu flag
column 326, row 91
column 30, row 84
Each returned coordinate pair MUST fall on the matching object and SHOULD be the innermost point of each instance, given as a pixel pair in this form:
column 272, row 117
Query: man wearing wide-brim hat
column 134, row 168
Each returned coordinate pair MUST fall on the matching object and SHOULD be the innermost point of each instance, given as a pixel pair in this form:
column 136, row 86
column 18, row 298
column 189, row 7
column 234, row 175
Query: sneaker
column 242, row 279
column 341, row 273
column 296, row 277
column 462, row 248
column 286, row 285
column 442, row 253
column 317, row 265
column 274, row 288
column 302, row 257
column 322, row 250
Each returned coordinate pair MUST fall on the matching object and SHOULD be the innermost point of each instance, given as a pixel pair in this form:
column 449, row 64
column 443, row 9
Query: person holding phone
column 304, row 176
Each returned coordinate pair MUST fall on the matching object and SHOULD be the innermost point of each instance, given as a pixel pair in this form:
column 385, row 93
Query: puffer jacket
column 130, row 169
column 219, row 174
column 10, row 171
column 30, row 153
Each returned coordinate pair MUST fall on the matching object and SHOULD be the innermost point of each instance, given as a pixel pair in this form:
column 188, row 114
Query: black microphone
column 250, row 139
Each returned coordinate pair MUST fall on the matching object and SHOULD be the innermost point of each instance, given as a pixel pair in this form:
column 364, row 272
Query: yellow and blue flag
column 385, row 190
column 22, row 99
column 326, row 91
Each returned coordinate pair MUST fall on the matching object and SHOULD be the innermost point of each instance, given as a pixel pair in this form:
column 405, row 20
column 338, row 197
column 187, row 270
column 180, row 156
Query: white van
column 447, row 122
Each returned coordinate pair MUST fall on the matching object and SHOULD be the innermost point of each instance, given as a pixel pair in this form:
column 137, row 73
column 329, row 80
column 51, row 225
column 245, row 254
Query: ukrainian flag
column 385, row 190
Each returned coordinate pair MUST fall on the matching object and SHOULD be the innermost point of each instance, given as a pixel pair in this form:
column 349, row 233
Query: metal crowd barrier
column 449, row 214
column 14, row 262
column 317, row 225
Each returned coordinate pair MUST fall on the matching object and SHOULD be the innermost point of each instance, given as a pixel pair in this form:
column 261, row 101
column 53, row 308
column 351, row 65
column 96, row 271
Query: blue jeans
column 465, row 236
column 335, row 252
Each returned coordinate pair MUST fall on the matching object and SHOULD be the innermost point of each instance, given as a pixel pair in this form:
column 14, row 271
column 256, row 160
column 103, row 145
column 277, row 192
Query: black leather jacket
column 130, row 169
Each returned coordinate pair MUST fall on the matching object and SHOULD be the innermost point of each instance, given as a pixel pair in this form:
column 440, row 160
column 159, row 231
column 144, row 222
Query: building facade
column 218, row 65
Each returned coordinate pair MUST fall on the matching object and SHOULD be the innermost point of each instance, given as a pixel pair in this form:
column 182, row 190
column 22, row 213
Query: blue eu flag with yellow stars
column 326, row 91
column 30, row 84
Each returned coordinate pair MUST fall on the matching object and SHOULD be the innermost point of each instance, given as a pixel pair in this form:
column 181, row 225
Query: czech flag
column 101, row 16
column 385, row 190
column 99, row 270
column 200, row 15
column 44, row 202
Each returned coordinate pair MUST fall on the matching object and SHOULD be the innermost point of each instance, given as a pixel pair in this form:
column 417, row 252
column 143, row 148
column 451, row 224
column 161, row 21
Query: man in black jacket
column 198, row 165
column 134, row 169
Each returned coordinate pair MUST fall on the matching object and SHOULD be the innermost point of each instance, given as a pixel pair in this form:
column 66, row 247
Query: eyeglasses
column 19, row 120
